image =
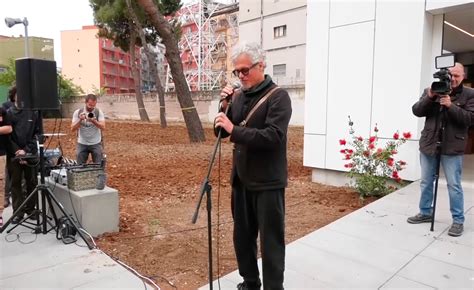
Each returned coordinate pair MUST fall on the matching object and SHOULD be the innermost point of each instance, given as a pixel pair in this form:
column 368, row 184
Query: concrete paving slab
column 438, row 274
column 450, row 252
column 398, row 282
column 333, row 270
column 355, row 249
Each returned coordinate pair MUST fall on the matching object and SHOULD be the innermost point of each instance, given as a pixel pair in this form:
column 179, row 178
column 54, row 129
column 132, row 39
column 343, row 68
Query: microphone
column 235, row 85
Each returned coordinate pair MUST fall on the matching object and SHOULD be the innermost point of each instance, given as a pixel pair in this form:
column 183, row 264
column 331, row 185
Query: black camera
column 90, row 115
column 443, row 86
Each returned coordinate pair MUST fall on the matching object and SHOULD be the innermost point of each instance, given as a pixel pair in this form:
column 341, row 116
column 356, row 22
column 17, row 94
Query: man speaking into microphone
column 257, row 123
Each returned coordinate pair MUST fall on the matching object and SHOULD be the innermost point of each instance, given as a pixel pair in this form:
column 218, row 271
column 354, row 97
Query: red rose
column 360, row 138
column 371, row 146
column 366, row 153
column 371, row 139
column 395, row 175
column 379, row 150
column 343, row 151
column 390, row 162
column 348, row 156
column 401, row 162
column 342, row 142
column 407, row 135
column 348, row 165
column 350, row 151
column 395, row 136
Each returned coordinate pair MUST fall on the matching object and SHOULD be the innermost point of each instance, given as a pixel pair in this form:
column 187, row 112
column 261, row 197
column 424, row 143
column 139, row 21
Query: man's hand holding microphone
column 226, row 97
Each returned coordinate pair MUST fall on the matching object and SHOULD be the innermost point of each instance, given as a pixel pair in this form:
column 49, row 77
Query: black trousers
column 261, row 212
column 16, row 172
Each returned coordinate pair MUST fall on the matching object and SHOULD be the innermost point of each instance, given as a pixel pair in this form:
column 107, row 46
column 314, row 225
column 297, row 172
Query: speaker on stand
column 37, row 89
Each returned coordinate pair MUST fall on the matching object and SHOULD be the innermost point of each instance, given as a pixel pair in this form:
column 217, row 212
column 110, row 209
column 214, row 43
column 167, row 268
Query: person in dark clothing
column 23, row 141
column 5, row 130
column 257, row 123
column 456, row 111
column 7, row 105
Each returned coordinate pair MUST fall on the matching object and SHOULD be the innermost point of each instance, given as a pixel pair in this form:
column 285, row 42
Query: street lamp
column 13, row 21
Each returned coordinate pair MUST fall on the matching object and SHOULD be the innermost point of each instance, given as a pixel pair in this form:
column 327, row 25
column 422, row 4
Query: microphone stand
column 439, row 146
column 206, row 188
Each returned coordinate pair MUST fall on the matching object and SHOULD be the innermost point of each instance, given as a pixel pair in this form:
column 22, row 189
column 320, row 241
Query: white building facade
column 371, row 60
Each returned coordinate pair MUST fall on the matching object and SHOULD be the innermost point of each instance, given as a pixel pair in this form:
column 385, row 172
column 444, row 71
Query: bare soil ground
column 158, row 174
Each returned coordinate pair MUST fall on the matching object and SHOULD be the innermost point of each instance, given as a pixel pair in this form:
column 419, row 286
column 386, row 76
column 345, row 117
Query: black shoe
column 246, row 285
column 17, row 219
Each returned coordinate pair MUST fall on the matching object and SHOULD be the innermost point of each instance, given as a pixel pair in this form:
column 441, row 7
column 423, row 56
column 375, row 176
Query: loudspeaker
column 36, row 84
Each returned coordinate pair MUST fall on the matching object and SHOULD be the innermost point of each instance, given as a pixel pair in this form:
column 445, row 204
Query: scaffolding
column 209, row 30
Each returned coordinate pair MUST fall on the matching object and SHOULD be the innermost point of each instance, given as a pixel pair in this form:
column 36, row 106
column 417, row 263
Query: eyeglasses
column 245, row 71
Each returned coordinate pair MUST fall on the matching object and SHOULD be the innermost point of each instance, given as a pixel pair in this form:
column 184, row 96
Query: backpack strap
column 259, row 103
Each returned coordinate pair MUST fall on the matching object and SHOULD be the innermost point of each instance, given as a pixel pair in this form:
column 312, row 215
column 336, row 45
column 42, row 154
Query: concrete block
column 96, row 210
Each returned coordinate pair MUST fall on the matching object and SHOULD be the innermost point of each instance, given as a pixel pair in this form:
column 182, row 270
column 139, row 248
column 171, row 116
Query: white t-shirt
column 88, row 133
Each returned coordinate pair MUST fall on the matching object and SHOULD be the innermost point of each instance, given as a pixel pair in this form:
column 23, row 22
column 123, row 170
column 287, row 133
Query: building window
column 279, row 31
column 279, row 70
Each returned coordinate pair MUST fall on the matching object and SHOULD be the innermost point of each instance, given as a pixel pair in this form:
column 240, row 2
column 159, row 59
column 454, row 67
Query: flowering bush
column 371, row 167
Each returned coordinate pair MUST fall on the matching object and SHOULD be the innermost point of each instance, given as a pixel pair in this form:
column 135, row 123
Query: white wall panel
column 317, row 38
column 348, row 12
column 349, row 85
column 314, row 151
column 398, row 49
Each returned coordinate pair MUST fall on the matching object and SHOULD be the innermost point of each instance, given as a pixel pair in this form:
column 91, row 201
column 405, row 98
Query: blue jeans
column 452, row 167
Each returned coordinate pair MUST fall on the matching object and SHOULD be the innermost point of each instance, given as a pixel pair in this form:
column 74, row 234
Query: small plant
column 373, row 169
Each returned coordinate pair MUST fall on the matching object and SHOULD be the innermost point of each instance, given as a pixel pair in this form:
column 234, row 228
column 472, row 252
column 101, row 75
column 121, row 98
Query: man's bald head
column 457, row 74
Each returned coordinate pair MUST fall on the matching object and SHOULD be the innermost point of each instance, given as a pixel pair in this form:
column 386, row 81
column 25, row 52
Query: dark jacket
column 25, row 125
column 457, row 119
column 4, row 139
column 259, row 156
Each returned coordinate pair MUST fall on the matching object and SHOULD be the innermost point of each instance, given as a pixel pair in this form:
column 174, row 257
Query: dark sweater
column 25, row 125
column 259, row 157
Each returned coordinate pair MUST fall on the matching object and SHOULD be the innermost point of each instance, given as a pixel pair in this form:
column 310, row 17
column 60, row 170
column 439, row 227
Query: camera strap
column 259, row 103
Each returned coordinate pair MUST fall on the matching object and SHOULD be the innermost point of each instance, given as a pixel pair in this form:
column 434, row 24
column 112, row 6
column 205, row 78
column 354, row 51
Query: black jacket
column 4, row 139
column 25, row 125
column 457, row 119
column 259, row 156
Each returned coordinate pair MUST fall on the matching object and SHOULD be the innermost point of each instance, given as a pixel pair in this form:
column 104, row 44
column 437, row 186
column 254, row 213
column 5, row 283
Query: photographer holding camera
column 454, row 109
column 89, row 122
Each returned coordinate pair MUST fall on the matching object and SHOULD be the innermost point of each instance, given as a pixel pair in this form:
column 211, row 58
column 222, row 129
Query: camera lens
column 90, row 115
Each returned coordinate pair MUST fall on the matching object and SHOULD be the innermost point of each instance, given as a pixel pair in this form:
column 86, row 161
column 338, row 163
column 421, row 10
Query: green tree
column 151, row 57
column 67, row 89
column 115, row 24
column 8, row 77
column 156, row 12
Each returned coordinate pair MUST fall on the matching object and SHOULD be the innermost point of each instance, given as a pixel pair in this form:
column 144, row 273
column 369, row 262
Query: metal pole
column 27, row 45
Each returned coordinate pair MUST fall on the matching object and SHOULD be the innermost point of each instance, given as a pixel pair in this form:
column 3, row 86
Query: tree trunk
column 151, row 61
column 164, row 29
column 136, row 79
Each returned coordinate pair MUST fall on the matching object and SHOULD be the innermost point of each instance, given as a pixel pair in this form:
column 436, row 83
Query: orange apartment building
column 94, row 63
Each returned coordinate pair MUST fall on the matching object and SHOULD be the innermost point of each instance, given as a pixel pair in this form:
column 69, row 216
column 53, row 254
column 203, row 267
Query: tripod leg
column 61, row 207
column 16, row 213
column 51, row 208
